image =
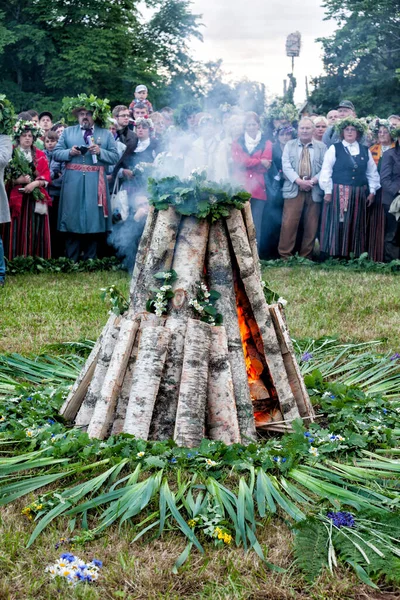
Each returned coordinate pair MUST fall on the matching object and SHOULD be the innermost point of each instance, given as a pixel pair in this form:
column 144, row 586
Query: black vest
column 345, row 171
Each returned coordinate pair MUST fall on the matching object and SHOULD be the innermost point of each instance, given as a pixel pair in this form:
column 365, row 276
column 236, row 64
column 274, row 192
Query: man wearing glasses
column 124, row 135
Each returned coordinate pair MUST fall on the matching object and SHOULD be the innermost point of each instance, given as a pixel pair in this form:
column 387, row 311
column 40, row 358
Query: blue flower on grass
column 51, row 421
column 385, row 411
column 306, row 356
column 341, row 519
column 395, row 356
column 68, row 556
column 173, row 460
column 97, row 563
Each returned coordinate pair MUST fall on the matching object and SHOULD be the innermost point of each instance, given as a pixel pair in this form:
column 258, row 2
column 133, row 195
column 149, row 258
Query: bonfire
column 203, row 354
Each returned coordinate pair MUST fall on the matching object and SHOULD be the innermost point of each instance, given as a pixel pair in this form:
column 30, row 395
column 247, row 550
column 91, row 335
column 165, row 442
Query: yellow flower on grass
column 314, row 451
column 192, row 523
column 210, row 463
column 2, row 418
column 29, row 433
column 140, row 454
column 227, row 538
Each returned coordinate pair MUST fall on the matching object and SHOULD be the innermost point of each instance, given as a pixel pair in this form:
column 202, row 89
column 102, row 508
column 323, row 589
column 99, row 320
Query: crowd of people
column 326, row 185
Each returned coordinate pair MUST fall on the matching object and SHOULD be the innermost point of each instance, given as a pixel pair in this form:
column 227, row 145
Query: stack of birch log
column 175, row 376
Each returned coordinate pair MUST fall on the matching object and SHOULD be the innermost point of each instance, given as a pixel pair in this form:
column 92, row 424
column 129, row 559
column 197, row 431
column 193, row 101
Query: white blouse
column 325, row 176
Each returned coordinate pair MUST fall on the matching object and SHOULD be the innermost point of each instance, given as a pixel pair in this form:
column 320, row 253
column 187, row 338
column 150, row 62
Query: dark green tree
column 55, row 48
column 361, row 57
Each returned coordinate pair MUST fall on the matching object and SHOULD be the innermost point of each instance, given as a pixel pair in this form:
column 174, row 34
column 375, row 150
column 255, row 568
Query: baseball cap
column 141, row 88
column 346, row 104
column 46, row 113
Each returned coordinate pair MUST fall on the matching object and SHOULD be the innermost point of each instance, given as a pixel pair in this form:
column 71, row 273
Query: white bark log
column 255, row 294
column 159, row 256
column 78, row 391
column 251, row 235
column 190, row 415
column 163, row 423
column 105, row 406
column 153, row 345
column 188, row 262
column 143, row 249
column 222, row 420
column 220, row 278
column 107, row 347
column 289, row 358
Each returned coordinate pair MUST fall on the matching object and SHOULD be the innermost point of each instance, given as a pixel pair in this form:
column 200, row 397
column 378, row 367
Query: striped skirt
column 27, row 235
column 342, row 237
column 376, row 229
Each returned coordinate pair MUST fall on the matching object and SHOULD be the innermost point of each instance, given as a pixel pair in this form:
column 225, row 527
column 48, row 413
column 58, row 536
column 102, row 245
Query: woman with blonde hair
column 320, row 126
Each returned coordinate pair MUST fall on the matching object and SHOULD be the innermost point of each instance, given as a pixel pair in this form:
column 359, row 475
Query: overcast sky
column 250, row 38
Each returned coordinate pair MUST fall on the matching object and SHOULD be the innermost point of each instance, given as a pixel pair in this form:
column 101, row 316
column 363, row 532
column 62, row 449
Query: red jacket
column 248, row 169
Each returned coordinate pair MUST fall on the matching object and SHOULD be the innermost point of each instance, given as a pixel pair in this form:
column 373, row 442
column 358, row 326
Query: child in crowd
column 141, row 97
column 58, row 128
column 50, row 140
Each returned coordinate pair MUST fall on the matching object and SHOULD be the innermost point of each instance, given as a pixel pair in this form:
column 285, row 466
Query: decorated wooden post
column 199, row 353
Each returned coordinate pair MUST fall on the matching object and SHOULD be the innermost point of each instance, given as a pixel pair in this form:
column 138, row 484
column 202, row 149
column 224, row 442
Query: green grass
column 353, row 306
column 37, row 310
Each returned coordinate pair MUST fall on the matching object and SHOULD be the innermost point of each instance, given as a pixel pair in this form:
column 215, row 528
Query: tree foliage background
column 55, row 48
column 362, row 58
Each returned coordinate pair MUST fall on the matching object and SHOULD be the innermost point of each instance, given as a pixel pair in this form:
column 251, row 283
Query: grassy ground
column 37, row 310
column 40, row 310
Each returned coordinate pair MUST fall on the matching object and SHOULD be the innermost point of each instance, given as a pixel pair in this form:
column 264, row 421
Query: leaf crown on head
column 377, row 123
column 7, row 116
column 99, row 107
column 359, row 125
column 22, row 126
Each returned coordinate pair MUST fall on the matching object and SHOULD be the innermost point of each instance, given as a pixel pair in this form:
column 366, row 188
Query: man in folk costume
column 301, row 164
column 87, row 149
column 6, row 121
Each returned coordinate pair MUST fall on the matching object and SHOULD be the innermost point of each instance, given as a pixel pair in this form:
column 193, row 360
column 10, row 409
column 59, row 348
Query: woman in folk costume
column 87, row 148
column 383, row 133
column 252, row 157
column 27, row 177
column 350, row 179
column 203, row 152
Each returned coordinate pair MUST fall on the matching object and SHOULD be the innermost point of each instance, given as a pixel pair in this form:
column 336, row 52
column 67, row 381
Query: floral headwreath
column 7, row 116
column 375, row 125
column 282, row 110
column 359, row 125
column 395, row 133
column 22, row 126
column 146, row 121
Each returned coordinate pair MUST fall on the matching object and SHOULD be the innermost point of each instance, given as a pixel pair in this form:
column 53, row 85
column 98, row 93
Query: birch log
column 75, row 398
column 289, row 358
column 146, row 379
column 255, row 295
column 143, row 249
column 107, row 347
column 222, row 419
column 189, row 259
column 105, row 405
column 220, row 278
column 159, row 256
column 146, row 320
column 163, row 423
column 190, row 414
column 251, row 235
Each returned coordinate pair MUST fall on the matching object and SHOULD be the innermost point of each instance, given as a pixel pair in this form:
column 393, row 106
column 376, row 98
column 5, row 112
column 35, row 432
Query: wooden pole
column 107, row 348
column 146, row 379
column 222, row 419
column 190, row 414
column 105, row 406
column 220, row 278
column 78, row 392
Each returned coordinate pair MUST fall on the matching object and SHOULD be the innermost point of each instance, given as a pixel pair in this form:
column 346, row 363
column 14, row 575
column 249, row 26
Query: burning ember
column 262, row 392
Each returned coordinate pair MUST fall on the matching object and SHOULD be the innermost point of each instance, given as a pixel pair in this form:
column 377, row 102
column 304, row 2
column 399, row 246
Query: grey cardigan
column 290, row 167
column 5, row 157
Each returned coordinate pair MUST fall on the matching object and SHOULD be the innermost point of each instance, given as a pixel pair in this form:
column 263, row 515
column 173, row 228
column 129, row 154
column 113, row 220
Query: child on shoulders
column 141, row 97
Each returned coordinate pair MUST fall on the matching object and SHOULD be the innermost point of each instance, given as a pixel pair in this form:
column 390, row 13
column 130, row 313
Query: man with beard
column 87, row 149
